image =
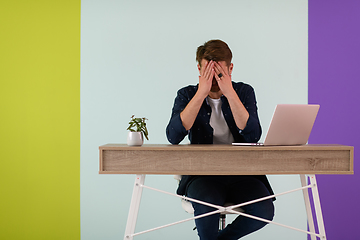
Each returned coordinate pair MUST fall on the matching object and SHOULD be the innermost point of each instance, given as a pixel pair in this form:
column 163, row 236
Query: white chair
column 187, row 206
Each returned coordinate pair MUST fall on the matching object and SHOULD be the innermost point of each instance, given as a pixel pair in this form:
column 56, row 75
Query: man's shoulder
column 241, row 86
column 190, row 89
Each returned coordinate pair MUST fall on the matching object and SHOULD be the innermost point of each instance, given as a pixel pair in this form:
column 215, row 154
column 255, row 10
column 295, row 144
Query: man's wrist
column 201, row 95
column 231, row 94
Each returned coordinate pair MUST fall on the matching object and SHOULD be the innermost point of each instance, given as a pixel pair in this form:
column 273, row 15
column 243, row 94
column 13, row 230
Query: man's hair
column 215, row 50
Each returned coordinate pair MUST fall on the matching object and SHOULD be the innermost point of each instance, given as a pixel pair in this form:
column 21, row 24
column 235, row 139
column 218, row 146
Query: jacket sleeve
column 175, row 131
column 252, row 131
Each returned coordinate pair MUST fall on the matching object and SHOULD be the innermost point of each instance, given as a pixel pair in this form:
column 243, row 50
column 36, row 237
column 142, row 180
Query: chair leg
column 222, row 221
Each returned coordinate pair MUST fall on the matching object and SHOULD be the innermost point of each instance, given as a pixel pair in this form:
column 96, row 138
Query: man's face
column 215, row 86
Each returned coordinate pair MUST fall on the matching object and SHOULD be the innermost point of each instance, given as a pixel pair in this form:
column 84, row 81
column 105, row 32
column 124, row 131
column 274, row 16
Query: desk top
column 212, row 159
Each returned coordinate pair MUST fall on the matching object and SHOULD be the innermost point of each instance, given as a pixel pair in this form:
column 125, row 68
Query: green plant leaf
column 138, row 124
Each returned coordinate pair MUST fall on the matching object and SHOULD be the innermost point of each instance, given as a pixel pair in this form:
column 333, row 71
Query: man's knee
column 268, row 210
column 264, row 209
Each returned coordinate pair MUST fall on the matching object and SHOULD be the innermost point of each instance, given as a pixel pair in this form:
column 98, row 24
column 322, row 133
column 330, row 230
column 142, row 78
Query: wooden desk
column 227, row 160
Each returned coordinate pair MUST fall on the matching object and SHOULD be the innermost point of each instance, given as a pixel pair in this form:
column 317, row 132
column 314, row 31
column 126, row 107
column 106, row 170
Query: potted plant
column 138, row 130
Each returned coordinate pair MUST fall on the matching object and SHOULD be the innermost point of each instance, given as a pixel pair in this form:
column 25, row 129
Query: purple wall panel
column 334, row 83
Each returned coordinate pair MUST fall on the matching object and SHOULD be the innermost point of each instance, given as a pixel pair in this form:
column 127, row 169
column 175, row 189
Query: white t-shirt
column 221, row 134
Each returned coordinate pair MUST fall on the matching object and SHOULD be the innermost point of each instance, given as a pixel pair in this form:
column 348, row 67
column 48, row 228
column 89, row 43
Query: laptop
column 291, row 124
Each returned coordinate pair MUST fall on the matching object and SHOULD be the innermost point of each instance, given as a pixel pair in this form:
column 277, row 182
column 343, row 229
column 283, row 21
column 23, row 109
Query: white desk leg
column 134, row 207
column 304, row 183
column 317, row 206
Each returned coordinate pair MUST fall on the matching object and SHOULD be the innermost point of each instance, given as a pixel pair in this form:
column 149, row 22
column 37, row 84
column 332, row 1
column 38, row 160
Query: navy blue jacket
column 202, row 133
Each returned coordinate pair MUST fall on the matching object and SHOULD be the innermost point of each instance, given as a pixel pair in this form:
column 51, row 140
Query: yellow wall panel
column 40, row 119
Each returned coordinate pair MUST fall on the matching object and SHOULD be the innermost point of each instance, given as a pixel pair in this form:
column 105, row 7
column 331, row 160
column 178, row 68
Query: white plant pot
column 135, row 139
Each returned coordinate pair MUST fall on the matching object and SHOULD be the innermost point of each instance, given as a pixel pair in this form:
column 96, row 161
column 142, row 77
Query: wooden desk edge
column 215, row 147
column 212, row 147
column 240, row 173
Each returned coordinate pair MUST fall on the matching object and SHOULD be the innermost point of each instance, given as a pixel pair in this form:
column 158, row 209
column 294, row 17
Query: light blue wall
column 135, row 55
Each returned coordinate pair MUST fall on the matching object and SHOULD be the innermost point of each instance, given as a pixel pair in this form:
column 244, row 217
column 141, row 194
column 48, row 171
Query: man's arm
column 188, row 115
column 175, row 130
column 238, row 110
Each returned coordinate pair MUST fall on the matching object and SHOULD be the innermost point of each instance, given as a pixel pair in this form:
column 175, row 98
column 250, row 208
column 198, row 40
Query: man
column 220, row 111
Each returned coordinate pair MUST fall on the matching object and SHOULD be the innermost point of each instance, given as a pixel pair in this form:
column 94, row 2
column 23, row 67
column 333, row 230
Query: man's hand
column 205, row 79
column 224, row 82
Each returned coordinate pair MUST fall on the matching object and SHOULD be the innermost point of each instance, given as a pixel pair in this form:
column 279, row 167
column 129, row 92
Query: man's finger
column 208, row 70
column 218, row 69
column 217, row 76
column 202, row 69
